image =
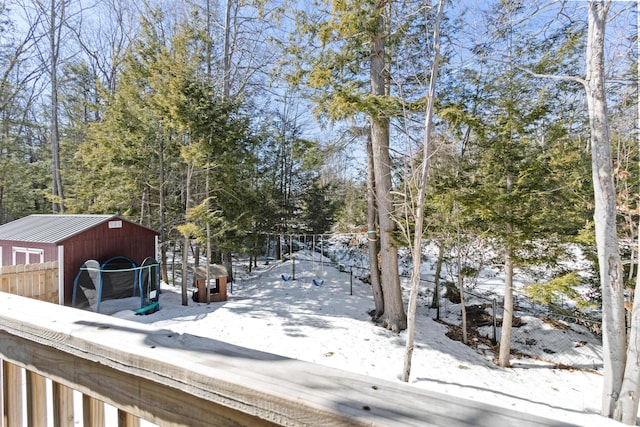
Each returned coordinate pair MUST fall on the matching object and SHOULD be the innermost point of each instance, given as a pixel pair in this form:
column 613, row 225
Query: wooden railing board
column 182, row 380
column 134, row 394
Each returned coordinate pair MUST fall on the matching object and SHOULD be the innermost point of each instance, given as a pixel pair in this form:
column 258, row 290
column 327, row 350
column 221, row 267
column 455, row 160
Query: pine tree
column 511, row 183
column 350, row 72
column 130, row 154
column 319, row 208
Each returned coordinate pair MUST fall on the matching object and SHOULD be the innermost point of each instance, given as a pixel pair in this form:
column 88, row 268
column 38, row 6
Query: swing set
column 287, row 277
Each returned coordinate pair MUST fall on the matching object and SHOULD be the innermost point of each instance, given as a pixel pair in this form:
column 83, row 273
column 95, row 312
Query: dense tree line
column 218, row 123
column 145, row 113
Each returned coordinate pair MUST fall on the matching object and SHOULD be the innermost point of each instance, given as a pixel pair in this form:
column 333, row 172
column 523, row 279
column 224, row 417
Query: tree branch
column 552, row 76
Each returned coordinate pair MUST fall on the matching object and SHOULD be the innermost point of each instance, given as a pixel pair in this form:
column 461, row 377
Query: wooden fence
column 178, row 379
column 38, row 281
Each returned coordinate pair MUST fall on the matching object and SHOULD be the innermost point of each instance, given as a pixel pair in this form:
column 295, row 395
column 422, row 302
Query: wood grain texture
column 62, row 398
column 184, row 380
column 36, row 400
column 92, row 411
column 3, row 414
column 12, row 378
column 39, row 281
column 127, row 420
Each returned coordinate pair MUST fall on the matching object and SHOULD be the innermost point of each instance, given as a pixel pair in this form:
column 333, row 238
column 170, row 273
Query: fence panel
column 37, row 281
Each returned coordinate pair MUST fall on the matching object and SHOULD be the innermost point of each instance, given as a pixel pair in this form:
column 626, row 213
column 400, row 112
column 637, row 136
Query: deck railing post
column 36, row 400
column 3, row 421
column 125, row 419
column 12, row 394
column 62, row 405
column 92, row 412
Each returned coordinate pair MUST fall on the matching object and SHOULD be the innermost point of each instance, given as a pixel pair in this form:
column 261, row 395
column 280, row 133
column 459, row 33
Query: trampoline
column 118, row 283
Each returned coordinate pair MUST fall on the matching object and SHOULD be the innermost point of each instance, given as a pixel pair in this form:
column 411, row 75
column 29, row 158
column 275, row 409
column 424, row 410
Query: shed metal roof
column 49, row 228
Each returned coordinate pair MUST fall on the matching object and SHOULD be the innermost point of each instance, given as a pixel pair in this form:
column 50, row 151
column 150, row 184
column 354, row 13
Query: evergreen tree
column 288, row 164
column 319, row 208
column 130, row 159
column 350, row 72
column 352, row 214
column 516, row 157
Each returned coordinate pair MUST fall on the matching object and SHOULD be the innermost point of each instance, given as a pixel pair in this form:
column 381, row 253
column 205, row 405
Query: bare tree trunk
column 208, row 230
column 185, row 246
column 394, row 317
column 611, row 276
column 54, row 44
column 374, row 269
column 504, row 359
column 228, row 264
column 173, row 261
column 226, row 78
column 507, row 316
column 143, row 200
column 463, row 307
column 627, row 407
column 163, row 221
column 461, row 290
column 626, row 410
column 416, row 252
column 435, row 302
column 185, row 270
column 164, row 271
column 209, row 44
column 209, row 50
column 227, row 258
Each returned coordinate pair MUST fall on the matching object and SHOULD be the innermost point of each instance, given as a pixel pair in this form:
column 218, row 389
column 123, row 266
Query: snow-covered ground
column 330, row 325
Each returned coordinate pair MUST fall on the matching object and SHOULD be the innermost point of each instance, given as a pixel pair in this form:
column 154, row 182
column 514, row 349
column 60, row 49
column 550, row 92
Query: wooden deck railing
column 176, row 379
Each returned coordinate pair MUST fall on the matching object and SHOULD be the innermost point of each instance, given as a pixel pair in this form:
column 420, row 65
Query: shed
column 71, row 240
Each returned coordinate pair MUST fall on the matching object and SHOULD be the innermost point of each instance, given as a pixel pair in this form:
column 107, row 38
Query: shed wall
column 101, row 243
column 6, row 249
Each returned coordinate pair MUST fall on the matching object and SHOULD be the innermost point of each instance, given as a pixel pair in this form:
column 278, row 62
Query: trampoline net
column 149, row 280
column 86, row 285
column 118, row 279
